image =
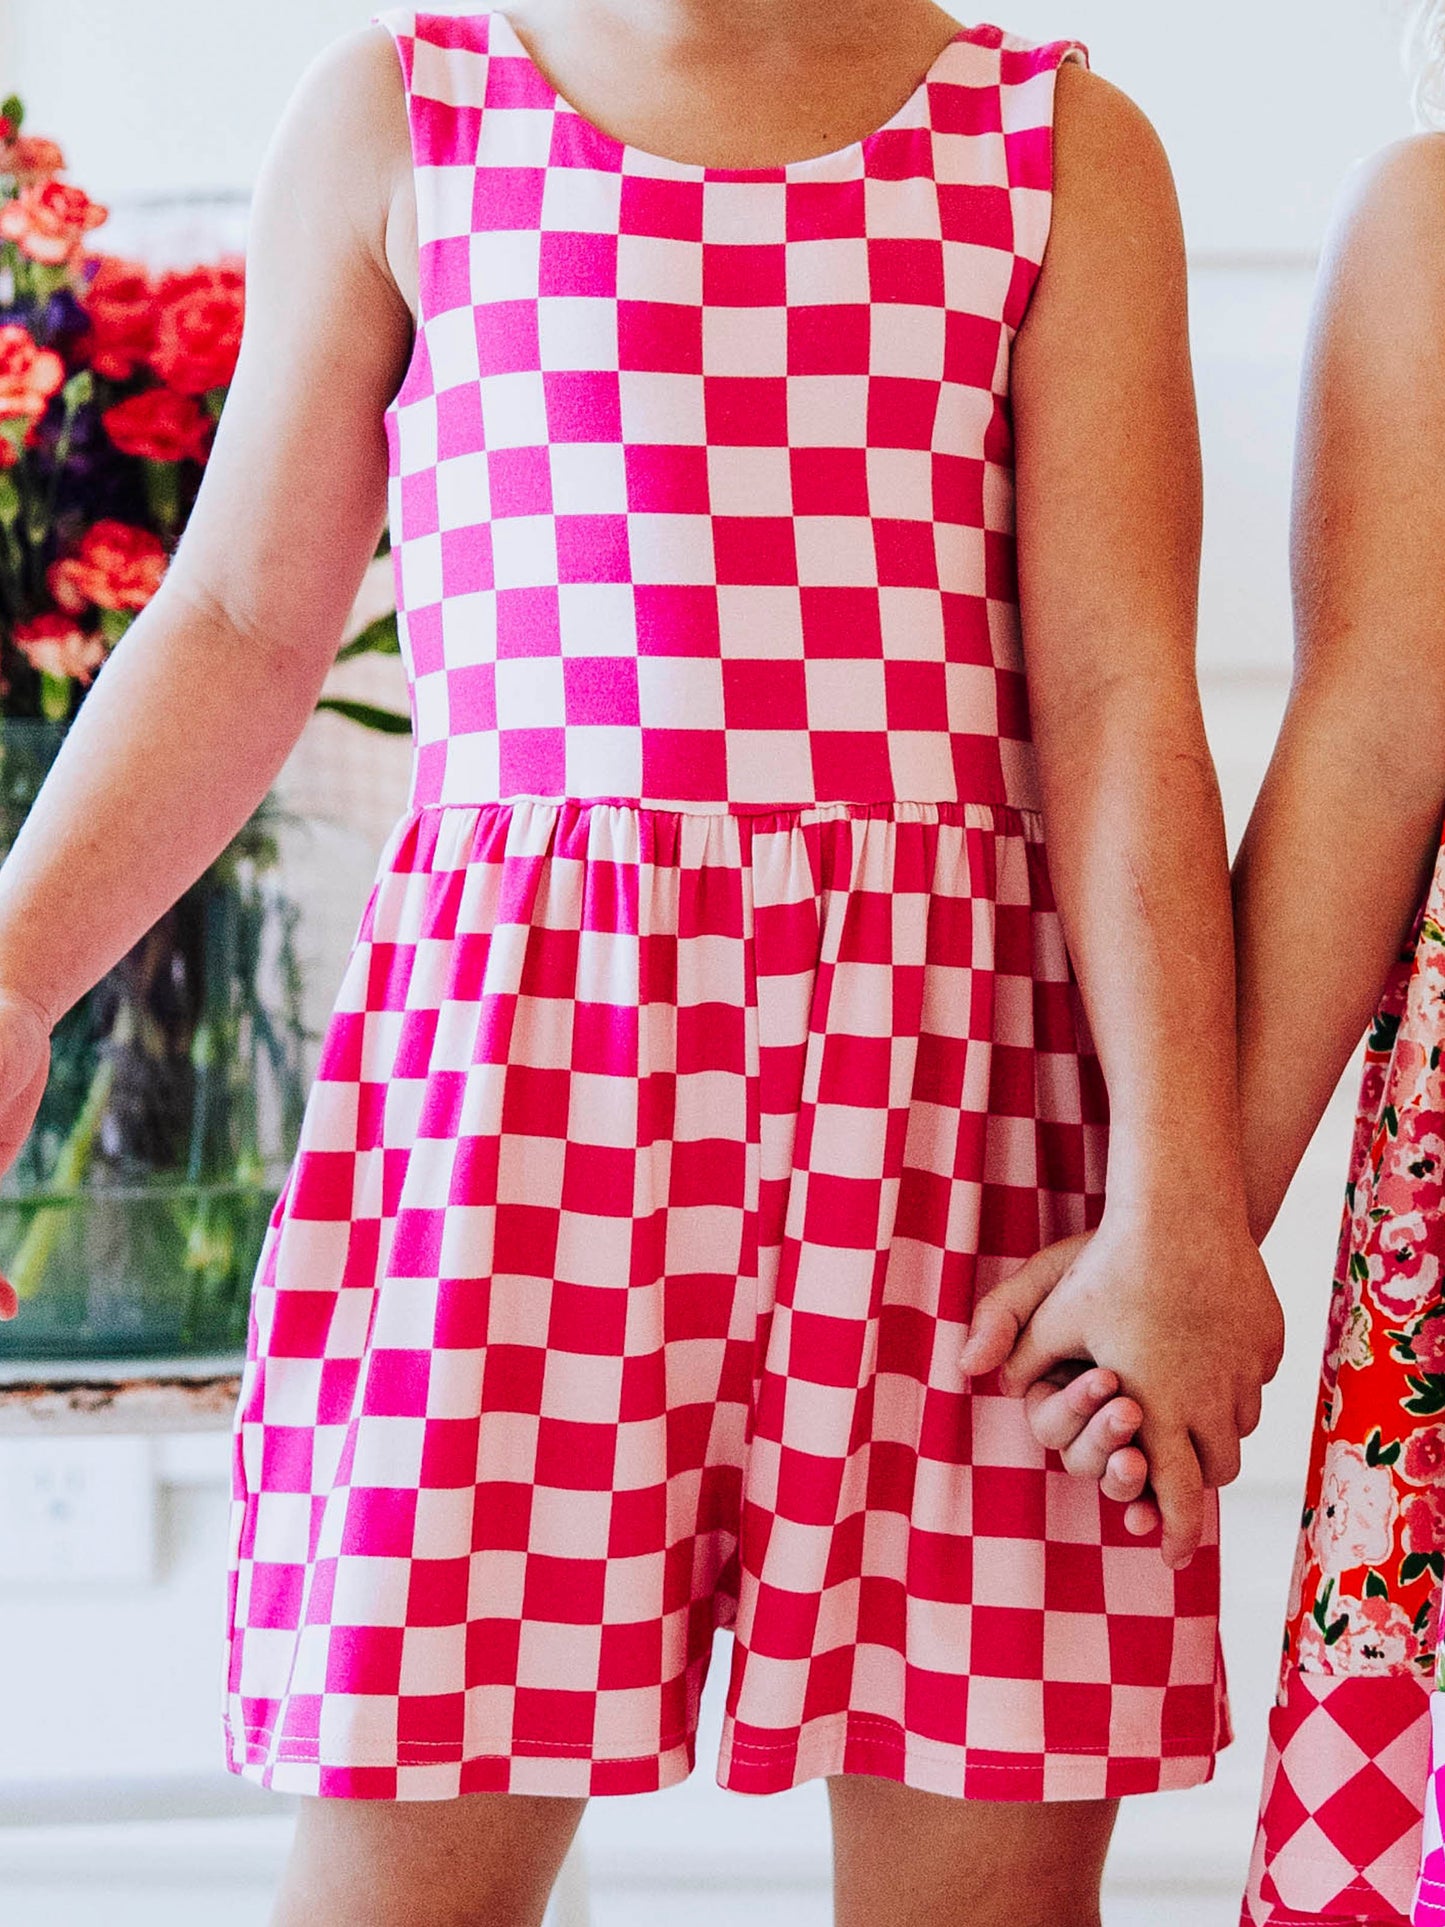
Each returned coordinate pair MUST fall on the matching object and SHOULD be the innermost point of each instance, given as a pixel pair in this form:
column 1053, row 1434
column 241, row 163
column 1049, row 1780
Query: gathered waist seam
column 974, row 809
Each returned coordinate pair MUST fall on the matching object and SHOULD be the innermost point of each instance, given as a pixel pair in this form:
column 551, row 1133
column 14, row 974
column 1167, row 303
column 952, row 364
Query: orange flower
column 198, row 333
column 159, row 425
column 49, row 220
column 120, row 303
column 29, row 158
column 116, row 566
column 29, row 375
column 58, row 646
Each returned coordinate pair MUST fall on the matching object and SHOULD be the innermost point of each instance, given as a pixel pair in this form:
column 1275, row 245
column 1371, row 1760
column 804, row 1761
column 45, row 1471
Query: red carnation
column 198, row 331
column 57, row 645
column 160, row 425
column 120, row 304
column 116, row 566
column 49, row 220
column 28, row 157
column 29, row 375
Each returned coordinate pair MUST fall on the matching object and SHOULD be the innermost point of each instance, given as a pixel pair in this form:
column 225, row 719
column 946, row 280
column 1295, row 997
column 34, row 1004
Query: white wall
column 1264, row 105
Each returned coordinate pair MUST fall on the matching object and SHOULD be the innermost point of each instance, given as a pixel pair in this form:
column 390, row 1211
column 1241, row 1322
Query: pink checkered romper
column 708, row 1042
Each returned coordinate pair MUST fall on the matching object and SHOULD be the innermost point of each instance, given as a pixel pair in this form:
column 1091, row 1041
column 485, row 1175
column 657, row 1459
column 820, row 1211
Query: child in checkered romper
column 710, row 1044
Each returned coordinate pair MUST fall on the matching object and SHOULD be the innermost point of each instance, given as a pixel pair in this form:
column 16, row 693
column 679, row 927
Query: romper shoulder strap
column 444, row 65
column 997, row 94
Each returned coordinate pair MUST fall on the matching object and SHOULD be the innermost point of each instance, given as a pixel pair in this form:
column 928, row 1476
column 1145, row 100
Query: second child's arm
column 1335, row 861
column 1170, row 1295
column 195, row 711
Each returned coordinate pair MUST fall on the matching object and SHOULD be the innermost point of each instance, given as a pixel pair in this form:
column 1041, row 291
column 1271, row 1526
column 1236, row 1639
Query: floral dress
column 1348, row 1767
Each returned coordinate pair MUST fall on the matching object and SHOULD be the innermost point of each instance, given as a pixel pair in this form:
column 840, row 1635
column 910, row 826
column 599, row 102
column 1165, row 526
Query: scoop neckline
column 780, row 170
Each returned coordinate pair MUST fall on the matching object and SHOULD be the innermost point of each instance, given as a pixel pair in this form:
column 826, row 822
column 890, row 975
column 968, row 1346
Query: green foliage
column 1428, row 1394
column 390, row 722
column 379, row 638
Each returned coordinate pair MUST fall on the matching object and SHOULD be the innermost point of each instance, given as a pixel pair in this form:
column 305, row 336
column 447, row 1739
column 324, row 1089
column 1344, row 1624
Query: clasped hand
column 1141, row 1361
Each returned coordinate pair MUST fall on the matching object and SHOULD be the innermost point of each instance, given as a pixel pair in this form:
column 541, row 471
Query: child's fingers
column 1001, row 1316
column 1060, row 1406
column 1126, row 1476
column 1105, row 1435
column 1178, row 1492
column 1249, row 1411
column 1050, row 1339
column 1141, row 1518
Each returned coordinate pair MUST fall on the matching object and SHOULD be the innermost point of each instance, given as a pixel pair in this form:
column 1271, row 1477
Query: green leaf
column 13, row 109
column 1384, row 1032
column 389, row 721
column 1415, row 1565
column 114, row 623
column 213, row 401
column 379, row 638
column 1322, row 1604
column 9, row 500
column 1337, row 1628
column 79, row 391
column 163, row 494
column 1390, row 1118
column 55, row 696
column 1429, row 1394
column 1378, row 1454
column 1375, row 1587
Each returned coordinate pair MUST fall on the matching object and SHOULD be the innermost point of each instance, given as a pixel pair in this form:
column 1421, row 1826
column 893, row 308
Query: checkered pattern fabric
column 665, row 1132
column 1340, row 1833
column 1430, row 1893
column 650, row 1173
column 703, row 482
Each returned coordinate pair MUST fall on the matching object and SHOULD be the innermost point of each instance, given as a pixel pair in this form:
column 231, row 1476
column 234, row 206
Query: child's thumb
column 1001, row 1315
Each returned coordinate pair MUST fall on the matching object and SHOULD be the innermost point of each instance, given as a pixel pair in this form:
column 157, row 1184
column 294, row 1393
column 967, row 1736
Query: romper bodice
column 702, row 487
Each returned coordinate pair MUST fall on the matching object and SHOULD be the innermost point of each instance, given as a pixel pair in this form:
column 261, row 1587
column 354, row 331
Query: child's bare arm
column 200, row 703
column 1170, row 1294
column 1347, row 823
column 1336, row 857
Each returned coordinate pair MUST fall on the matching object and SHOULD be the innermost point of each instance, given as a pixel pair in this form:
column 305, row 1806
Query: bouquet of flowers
column 177, row 1083
column 111, row 383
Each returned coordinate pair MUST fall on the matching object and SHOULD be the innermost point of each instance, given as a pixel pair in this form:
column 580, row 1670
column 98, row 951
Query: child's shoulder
column 352, row 97
column 1398, row 192
column 1383, row 284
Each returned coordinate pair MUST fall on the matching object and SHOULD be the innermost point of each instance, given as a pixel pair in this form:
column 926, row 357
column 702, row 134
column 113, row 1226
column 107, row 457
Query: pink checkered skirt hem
column 653, row 1166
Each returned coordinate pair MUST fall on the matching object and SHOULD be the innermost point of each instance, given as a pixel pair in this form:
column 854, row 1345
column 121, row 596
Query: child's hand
column 1189, row 1324
column 1081, row 1416
column 24, row 1068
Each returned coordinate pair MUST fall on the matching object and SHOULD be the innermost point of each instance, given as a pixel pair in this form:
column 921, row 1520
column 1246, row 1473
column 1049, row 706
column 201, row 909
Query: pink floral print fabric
column 1340, row 1833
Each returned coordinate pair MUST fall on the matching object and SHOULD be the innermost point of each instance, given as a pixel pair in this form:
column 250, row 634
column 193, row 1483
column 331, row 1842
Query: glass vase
column 132, row 1220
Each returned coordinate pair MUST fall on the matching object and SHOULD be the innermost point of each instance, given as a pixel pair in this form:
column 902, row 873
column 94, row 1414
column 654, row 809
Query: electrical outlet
column 77, row 1511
